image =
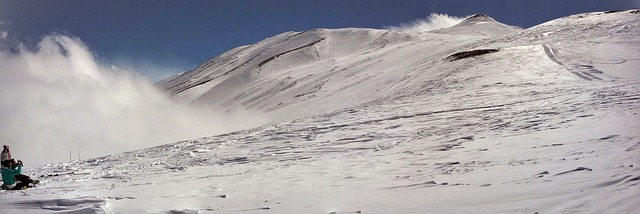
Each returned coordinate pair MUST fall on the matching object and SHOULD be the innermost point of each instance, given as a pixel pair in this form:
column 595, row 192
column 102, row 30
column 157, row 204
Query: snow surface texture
column 380, row 121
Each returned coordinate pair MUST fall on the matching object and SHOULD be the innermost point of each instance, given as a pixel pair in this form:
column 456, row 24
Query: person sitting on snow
column 11, row 177
column 6, row 154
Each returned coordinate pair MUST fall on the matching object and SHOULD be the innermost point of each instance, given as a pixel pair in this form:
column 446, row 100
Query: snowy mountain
column 479, row 117
column 299, row 74
column 479, row 24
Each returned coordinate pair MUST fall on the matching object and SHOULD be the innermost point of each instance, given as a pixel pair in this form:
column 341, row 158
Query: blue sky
column 178, row 35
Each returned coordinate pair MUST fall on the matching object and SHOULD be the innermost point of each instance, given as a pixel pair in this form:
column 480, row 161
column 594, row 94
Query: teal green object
column 8, row 173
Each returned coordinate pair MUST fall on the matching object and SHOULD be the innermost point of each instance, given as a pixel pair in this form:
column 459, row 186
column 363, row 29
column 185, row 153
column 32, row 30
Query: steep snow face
column 389, row 122
column 292, row 69
column 328, row 70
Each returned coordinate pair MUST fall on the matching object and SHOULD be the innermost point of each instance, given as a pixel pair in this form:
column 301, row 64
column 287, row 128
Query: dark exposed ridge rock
column 614, row 11
column 478, row 18
column 472, row 53
column 283, row 53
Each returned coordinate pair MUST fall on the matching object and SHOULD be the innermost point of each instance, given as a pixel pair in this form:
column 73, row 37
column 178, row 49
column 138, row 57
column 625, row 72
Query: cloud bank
column 433, row 22
column 57, row 98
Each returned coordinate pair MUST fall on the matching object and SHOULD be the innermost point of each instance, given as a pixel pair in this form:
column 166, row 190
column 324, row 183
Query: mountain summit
column 476, row 19
column 479, row 25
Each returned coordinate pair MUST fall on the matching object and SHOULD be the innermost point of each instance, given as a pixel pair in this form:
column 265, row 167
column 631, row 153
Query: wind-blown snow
column 433, row 22
column 381, row 121
column 58, row 98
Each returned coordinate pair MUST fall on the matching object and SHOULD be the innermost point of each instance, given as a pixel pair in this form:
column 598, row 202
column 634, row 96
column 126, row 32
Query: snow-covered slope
column 284, row 74
column 377, row 121
column 294, row 75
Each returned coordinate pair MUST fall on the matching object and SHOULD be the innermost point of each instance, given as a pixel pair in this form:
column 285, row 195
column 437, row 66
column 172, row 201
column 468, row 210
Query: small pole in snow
column 78, row 154
column 69, row 155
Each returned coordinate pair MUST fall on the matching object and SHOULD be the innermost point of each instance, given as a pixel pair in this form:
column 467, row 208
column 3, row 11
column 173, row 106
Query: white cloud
column 151, row 70
column 58, row 98
column 433, row 22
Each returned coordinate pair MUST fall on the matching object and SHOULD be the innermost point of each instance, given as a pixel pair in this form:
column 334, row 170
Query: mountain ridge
column 245, row 77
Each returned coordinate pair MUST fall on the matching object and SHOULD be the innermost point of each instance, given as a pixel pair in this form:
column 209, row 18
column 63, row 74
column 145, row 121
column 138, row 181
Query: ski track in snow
column 586, row 72
column 527, row 129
